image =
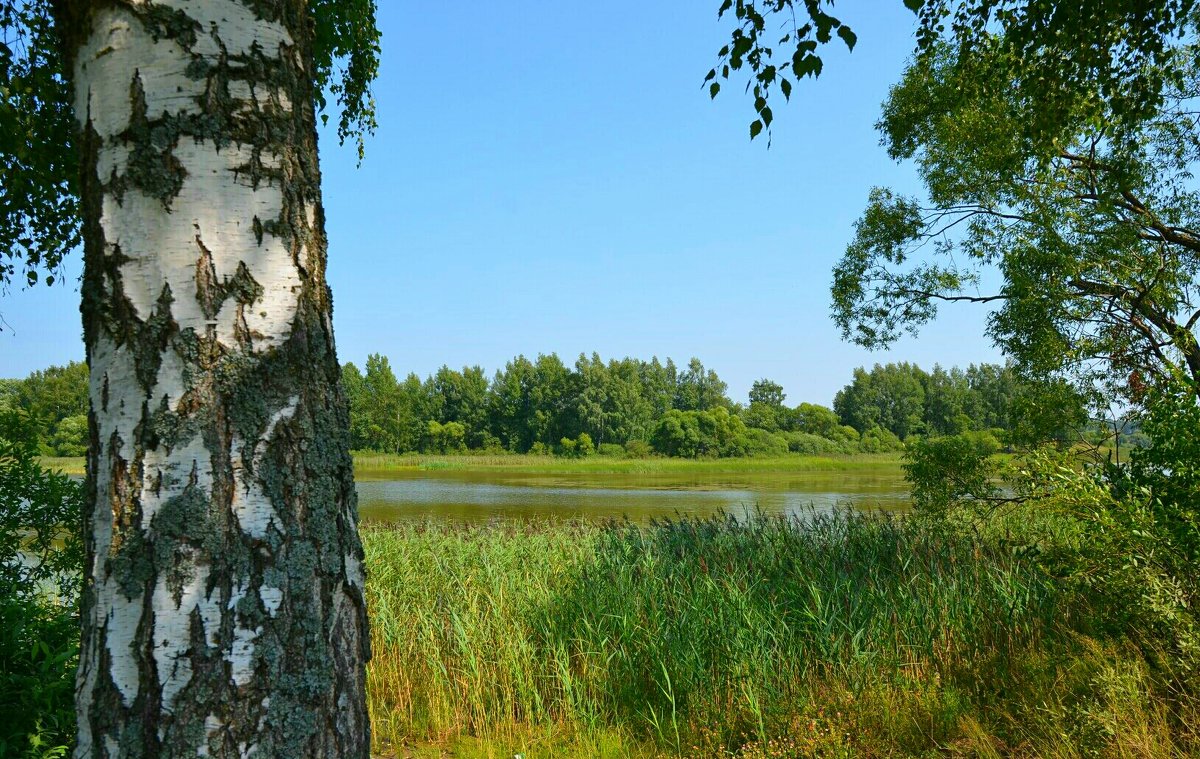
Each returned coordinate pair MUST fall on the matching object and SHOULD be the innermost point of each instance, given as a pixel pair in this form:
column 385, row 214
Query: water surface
column 475, row 496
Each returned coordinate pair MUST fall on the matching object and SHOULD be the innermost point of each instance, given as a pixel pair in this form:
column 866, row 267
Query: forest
column 632, row 407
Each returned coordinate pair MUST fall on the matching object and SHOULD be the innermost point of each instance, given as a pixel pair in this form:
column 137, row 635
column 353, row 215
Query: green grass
column 66, row 464
column 527, row 464
column 846, row 636
column 530, row 464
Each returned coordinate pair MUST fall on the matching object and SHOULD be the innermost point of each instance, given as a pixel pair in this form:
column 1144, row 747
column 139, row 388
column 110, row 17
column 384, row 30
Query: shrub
column 985, row 441
column 695, row 434
column 760, row 442
column 637, row 449
column 577, row 448
column 1123, row 541
column 41, row 557
column 879, row 440
column 610, row 449
column 583, row 444
column 807, row 443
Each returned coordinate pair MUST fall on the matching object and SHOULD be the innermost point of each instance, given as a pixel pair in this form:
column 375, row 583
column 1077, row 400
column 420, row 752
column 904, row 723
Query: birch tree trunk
column 223, row 607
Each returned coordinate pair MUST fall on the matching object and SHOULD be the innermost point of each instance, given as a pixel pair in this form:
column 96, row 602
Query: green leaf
column 756, row 128
column 786, row 87
column 849, row 37
column 713, row 89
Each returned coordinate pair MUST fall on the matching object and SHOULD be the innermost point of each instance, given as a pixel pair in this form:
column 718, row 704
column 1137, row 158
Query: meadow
column 372, row 465
column 829, row 636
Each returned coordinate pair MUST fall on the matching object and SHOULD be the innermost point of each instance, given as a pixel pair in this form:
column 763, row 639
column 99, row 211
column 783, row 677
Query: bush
column 491, row 445
column 696, row 434
column 611, row 449
column 985, row 441
column 1123, row 541
column 583, row 444
column 879, row 440
column 760, row 442
column 41, row 558
column 577, row 448
column 637, row 449
column 809, row 444
column 445, row 438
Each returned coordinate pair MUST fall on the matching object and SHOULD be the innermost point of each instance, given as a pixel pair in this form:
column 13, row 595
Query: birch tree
column 223, row 608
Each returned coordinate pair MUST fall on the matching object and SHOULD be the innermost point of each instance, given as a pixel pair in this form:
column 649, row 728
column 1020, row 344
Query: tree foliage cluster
column 56, row 400
column 1057, row 144
column 40, row 213
column 905, row 400
column 631, row 407
column 634, row 406
column 1125, row 538
column 539, row 405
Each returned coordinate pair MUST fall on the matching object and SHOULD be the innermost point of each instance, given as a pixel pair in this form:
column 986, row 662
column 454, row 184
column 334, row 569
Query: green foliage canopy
column 1100, row 57
column 1056, row 142
column 39, row 193
column 1091, row 246
column 56, row 402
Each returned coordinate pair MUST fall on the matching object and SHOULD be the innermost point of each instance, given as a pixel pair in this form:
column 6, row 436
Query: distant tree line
column 632, row 407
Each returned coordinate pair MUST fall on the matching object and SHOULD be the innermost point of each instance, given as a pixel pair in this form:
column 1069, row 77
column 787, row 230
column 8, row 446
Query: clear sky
column 552, row 177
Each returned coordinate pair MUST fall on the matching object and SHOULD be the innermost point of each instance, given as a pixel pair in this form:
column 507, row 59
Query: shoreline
column 517, row 463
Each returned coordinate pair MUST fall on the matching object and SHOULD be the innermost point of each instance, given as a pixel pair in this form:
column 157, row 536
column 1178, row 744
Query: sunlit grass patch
column 532, row 464
column 829, row 636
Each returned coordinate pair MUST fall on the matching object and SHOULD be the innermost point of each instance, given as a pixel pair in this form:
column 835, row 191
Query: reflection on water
column 483, row 496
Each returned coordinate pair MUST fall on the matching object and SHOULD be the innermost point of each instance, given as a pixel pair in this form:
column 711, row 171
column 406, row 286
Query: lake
column 490, row 495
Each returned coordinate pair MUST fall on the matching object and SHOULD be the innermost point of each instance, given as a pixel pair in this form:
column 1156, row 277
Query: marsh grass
column 831, row 635
column 72, row 465
column 381, row 463
column 532, row 464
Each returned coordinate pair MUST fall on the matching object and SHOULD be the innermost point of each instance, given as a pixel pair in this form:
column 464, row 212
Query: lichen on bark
column 224, row 613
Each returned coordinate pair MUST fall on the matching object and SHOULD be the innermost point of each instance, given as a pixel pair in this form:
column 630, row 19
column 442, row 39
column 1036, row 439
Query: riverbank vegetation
column 372, row 463
column 1053, row 617
column 839, row 636
column 630, row 408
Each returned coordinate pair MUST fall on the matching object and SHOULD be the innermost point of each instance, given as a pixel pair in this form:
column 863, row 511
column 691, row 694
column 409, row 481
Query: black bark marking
column 309, row 658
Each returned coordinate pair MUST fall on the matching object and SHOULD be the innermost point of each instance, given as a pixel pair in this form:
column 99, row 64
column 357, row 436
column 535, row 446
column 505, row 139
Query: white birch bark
column 223, row 612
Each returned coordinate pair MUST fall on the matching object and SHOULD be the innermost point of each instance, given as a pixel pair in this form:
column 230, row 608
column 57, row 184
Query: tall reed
column 808, row 636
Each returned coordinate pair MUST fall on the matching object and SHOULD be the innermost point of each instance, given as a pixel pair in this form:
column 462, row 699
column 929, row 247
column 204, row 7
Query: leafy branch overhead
column 1083, row 233
column 1119, row 48
column 39, row 193
column 750, row 47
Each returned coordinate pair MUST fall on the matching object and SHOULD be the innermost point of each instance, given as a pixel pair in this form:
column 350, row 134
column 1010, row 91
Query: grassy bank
column 73, row 465
column 852, row 637
column 529, row 464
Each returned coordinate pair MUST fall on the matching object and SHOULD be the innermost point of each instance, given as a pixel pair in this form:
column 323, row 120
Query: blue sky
column 551, row 176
